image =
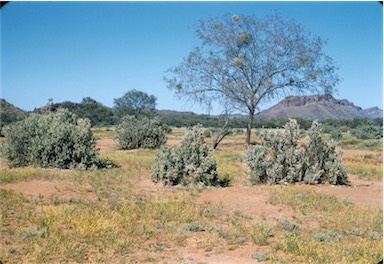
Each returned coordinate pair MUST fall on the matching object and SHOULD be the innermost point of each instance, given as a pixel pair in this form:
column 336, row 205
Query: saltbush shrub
column 281, row 158
column 368, row 132
column 187, row 164
column 141, row 132
column 52, row 140
column 336, row 134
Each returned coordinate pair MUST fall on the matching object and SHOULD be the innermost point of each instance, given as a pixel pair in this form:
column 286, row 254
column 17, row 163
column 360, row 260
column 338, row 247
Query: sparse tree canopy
column 246, row 61
column 134, row 102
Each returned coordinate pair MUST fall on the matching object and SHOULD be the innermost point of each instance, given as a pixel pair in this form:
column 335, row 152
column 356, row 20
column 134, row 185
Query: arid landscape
column 119, row 215
column 191, row 132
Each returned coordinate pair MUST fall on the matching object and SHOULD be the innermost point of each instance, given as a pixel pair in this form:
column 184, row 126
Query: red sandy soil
column 249, row 200
column 106, row 144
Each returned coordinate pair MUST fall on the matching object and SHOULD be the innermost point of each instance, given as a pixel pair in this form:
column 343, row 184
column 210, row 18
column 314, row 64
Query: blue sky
column 70, row 50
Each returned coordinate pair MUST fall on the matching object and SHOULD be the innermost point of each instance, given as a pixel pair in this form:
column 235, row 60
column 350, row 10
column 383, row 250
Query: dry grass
column 367, row 166
column 345, row 234
column 117, row 215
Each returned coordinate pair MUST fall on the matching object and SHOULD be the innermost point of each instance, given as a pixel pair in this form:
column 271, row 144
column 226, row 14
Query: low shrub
column 368, row 132
column 336, row 134
column 280, row 158
column 188, row 164
column 141, row 132
column 52, row 140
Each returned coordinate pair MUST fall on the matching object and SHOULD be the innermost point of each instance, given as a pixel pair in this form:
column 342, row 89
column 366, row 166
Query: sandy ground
column 249, row 200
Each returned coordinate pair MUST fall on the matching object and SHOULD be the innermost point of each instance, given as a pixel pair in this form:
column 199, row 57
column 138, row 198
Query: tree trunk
column 249, row 127
column 221, row 134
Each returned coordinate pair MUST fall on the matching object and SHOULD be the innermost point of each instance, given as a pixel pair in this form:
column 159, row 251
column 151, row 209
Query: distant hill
column 319, row 107
column 312, row 107
column 10, row 113
column 373, row 112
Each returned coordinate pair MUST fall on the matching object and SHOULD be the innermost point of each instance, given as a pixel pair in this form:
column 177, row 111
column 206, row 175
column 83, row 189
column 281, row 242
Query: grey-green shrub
column 277, row 159
column 368, row 132
column 281, row 158
column 336, row 134
column 141, row 132
column 188, row 164
column 53, row 140
column 322, row 161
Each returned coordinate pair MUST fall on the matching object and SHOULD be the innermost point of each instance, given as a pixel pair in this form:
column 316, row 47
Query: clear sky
column 70, row 50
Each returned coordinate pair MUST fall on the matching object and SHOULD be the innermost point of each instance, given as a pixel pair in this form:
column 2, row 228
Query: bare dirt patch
column 172, row 142
column 358, row 153
column 253, row 201
column 43, row 188
column 106, row 144
column 249, row 200
column 361, row 192
column 242, row 254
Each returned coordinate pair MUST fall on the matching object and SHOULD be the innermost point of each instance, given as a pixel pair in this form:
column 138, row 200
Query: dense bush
column 187, row 164
column 53, row 140
column 368, row 132
column 281, row 158
column 336, row 134
column 98, row 114
column 141, row 132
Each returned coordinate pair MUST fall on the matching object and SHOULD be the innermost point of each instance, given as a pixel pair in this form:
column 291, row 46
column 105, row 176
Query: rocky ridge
column 319, row 107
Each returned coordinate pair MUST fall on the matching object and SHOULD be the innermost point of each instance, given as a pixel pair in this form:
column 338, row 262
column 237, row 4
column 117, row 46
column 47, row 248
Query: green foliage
column 368, row 132
column 289, row 226
column 239, row 62
column 262, row 256
column 354, row 123
column 192, row 227
column 55, row 140
column 260, row 234
column 281, row 159
column 191, row 119
column 328, row 236
column 322, row 161
column 98, row 114
column 134, row 103
column 9, row 114
column 187, row 164
column 336, row 134
column 141, row 132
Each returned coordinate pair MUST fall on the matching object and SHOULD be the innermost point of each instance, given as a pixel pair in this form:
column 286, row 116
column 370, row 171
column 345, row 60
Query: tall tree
column 246, row 61
column 134, row 103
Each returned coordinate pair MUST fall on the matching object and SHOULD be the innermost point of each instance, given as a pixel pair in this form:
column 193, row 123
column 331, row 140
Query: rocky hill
column 319, row 107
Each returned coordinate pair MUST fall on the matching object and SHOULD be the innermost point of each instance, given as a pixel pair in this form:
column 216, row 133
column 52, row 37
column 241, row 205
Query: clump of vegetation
column 9, row 114
column 281, row 158
column 53, row 140
column 189, row 164
column 141, row 132
column 368, row 132
column 336, row 134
